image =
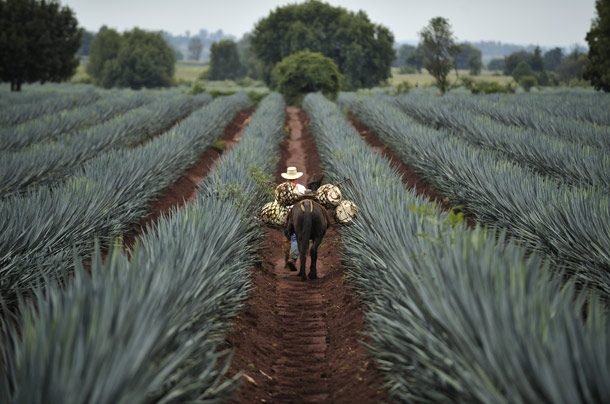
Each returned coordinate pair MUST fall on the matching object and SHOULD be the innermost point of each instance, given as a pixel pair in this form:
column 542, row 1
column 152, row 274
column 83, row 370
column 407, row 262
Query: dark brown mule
column 309, row 221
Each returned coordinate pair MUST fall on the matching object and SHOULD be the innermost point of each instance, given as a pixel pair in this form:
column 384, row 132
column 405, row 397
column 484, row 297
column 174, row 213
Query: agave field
column 467, row 315
column 512, row 309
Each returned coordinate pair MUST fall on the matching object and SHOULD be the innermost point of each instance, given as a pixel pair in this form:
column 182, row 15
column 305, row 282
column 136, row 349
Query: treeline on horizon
column 180, row 42
column 344, row 36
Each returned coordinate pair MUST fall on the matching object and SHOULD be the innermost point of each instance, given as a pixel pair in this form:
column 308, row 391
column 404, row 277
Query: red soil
column 300, row 341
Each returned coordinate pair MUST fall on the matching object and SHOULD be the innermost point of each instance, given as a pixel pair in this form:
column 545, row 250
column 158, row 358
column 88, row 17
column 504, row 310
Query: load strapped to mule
column 328, row 195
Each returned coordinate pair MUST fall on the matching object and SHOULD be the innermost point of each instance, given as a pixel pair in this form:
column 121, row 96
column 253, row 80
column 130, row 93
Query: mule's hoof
column 304, row 278
column 290, row 265
column 313, row 276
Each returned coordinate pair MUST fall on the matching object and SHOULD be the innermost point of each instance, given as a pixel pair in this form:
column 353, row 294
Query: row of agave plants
column 56, row 125
column 110, row 193
column 151, row 327
column 584, row 122
column 548, row 155
column 585, row 106
column 457, row 315
column 51, row 162
column 19, row 108
column 572, row 116
column 568, row 223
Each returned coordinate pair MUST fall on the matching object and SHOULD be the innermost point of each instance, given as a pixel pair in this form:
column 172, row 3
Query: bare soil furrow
column 299, row 342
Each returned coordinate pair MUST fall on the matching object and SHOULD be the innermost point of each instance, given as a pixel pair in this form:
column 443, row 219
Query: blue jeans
column 294, row 248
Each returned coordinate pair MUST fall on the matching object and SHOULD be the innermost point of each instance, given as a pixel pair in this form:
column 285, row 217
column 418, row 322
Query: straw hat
column 292, row 173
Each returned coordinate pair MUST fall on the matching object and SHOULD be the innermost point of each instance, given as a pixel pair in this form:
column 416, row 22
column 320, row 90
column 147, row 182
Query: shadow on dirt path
column 301, row 341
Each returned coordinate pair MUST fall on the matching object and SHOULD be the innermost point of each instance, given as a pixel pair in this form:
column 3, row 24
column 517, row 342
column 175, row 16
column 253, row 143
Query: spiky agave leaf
column 111, row 193
column 169, row 304
column 456, row 314
column 567, row 223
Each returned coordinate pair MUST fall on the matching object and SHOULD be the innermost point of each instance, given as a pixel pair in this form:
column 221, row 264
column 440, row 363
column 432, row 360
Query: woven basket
column 274, row 214
column 346, row 211
column 329, row 195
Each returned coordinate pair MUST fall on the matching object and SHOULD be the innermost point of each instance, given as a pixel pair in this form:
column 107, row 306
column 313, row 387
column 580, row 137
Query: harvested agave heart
column 346, row 211
column 329, row 195
column 273, row 213
column 286, row 194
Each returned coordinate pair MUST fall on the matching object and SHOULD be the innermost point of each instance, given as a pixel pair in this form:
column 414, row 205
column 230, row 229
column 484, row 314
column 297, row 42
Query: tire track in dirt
column 301, row 341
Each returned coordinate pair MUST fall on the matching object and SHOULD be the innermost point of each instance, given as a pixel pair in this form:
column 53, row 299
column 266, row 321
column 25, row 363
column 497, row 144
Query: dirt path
column 302, row 341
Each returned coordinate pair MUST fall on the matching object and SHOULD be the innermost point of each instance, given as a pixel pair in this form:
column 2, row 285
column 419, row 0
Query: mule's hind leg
column 313, row 272
column 303, row 246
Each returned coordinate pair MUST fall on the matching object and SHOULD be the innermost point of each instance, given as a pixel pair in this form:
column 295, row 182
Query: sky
column 540, row 22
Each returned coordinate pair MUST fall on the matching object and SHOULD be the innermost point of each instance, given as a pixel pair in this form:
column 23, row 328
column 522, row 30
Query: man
column 292, row 249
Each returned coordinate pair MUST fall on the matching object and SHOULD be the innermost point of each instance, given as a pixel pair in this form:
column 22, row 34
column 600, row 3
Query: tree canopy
column 253, row 67
column 409, row 57
column 195, row 48
column 306, row 72
column 439, row 47
column 468, row 57
column 597, row 69
column 496, row 64
column 134, row 59
column 573, row 66
column 224, row 61
column 511, row 61
column 39, row 41
column 363, row 51
column 552, row 59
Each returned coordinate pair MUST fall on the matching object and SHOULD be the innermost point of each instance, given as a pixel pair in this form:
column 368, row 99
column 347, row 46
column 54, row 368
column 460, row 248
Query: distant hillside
column 496, row 49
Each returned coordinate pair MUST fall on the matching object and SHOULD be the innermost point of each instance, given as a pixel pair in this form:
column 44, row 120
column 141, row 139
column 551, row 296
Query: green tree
column 573, row 67
column 528, row 82
column 306, row 72
column 438, row 45
column 145, row 60
column 416, row 59
column 363, row 51
column 496, row 64
column 253, row 67
column 597, row 69
column 104, row 49
column 523, row 69
column 552, row 59
column 403, row 53
column 134, row 59
column 224, row 61
column 511, row 61
column 468, row 57
column 195, row 48
column 536, row 62
column 39, row 41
